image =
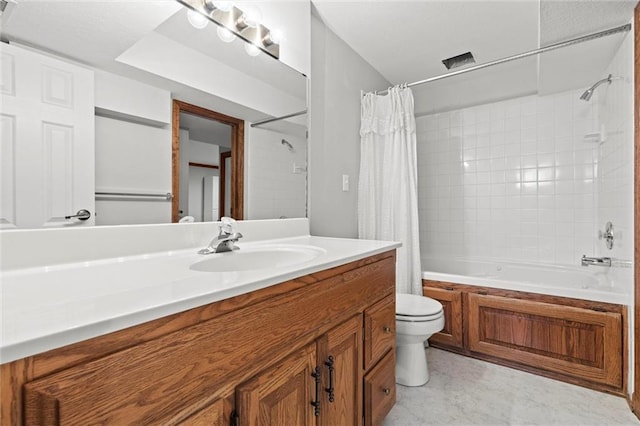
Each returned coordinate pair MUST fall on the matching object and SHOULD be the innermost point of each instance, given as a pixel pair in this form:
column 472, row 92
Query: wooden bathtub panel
column 536, row 337
column 561, row 339
column 515, row 294
column 451, row 300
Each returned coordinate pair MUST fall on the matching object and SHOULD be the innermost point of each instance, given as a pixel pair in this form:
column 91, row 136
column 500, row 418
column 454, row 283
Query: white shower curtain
column 388, row 183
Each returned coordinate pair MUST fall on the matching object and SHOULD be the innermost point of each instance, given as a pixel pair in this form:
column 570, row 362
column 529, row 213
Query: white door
column 47, row 140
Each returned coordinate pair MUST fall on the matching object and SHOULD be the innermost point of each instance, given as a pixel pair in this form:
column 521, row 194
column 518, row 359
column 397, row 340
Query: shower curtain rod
column 578, row 40
column 284, row 117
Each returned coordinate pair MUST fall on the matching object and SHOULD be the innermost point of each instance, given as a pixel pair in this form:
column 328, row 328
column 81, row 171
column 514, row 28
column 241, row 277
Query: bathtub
column 612, row 285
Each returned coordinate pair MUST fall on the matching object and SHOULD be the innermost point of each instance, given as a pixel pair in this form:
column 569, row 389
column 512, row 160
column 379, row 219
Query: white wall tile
column 526, row 179
column 518, row 168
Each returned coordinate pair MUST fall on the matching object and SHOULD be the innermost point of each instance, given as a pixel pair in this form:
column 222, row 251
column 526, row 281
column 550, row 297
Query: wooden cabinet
column 252, row 355
column 577, row 341
column 380, row 330
column 281, row 394
column 217, row 413
column 340, row 362
column 451, row 299
column 380, row 390
column 321, row 382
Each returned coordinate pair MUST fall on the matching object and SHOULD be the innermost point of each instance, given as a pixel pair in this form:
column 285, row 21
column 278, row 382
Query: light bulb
column 222, row 5
column 276, row 36
column 272, row 37
column 252, row 16
column 197, row 19
column 251, row 49
column 225, row 34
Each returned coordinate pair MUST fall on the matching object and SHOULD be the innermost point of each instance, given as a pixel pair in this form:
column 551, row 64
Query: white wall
column 337, row 76
column 291, row 17
column 132, row 158
column 133, row 150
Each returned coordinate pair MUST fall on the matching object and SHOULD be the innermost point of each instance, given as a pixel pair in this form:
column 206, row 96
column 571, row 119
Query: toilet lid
column 411, row 305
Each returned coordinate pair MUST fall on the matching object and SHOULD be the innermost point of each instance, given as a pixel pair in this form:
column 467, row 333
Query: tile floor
column 466, row 391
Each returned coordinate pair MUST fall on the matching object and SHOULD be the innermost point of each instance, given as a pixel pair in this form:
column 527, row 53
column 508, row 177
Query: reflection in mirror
column 203, row 142
column 277, row 158
column 131, row 60
column 199, row 136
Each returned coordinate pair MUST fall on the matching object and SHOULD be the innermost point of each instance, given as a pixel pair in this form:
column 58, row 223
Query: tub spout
column 599, row 261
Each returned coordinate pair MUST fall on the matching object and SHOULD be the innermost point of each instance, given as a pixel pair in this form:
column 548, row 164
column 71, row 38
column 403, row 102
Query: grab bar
column 598, row 261
column 167, row 196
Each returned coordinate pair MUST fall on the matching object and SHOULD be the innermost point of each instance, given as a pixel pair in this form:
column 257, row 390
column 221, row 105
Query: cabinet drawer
column 380, row 390
column 379, row 329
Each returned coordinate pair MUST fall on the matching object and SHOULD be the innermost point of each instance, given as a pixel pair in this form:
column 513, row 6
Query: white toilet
column 417, row 318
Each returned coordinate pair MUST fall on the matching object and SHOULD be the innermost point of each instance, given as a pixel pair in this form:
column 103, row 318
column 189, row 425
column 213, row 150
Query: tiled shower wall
column 511, row 180
column 615, row 164
column 531, row 179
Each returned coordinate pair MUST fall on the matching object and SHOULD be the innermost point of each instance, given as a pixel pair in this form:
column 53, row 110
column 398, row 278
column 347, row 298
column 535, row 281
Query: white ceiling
column 407, row 40
column 206, row 130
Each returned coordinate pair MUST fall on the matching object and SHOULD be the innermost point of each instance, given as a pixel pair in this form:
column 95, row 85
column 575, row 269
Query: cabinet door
column 451, row 299
column 282, row 394
column 340, row 359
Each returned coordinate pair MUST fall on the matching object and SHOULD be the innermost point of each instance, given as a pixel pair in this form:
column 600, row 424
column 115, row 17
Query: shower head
column 586, row 96
column 288, row 145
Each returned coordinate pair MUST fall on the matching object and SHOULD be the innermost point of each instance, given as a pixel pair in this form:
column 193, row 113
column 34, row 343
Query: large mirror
column 183, row 124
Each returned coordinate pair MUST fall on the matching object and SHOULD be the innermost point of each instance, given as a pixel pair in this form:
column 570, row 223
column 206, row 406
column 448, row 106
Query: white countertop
column 46, row 307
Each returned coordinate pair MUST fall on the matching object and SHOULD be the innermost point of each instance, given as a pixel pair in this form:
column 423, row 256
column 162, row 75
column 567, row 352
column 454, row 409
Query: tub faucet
column 226, row 239
column 599, row 261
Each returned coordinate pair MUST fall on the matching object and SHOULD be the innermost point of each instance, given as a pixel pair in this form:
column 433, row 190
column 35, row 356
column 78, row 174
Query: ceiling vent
column 458, row 61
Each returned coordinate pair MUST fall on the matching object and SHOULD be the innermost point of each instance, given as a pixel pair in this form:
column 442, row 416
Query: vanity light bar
column 235, row 21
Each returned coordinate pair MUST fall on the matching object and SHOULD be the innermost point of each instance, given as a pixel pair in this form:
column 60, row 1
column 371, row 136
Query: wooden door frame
column 237, row 159
column 635, row 396
column 223, row 181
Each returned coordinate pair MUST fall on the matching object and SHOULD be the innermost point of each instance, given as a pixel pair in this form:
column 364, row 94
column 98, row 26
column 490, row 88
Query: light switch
column 345, row 183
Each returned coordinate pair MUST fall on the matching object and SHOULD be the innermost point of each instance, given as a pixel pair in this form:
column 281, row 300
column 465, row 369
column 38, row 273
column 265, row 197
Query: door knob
column 82, row 214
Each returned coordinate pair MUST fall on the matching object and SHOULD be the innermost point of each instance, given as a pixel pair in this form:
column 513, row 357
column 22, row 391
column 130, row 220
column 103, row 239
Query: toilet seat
column 423, row 318
column 414, row 308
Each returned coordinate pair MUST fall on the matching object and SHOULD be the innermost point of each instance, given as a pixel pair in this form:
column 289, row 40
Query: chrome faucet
column 226, row 239
column 599, row 261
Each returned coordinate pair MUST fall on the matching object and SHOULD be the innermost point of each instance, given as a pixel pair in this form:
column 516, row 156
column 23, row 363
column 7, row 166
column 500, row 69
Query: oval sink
column 257, row 258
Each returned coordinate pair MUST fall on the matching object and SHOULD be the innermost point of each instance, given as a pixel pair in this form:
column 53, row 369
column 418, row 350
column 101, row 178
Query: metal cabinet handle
column 386, row 391
column 330, row 389
column 316, row 402
column 82, row 214
column 386, row 329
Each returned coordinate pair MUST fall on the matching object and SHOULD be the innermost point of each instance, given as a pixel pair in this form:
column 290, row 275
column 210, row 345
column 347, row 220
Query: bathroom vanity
column 317, row 348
